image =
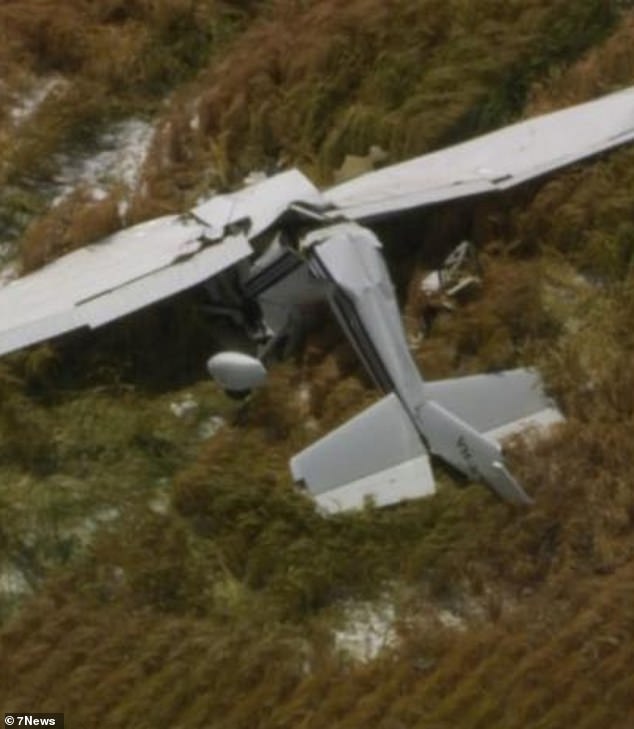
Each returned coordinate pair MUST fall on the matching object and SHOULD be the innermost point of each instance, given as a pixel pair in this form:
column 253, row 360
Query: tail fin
column 464, row 419
column 460, row 445
column 380, row 453
column 376, row 455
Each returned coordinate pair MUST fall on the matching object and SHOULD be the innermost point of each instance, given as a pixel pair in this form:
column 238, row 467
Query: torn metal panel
column 124, row 299
column 99, row 284
column 258, row 205
column 495, row 161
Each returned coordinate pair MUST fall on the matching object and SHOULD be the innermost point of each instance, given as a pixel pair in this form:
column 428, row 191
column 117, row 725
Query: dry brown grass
column 110, row 60
column 109, row 41
column 607, row 67
column 312, row 83
column 219, row 612
column 185, row 668
column 76, row 221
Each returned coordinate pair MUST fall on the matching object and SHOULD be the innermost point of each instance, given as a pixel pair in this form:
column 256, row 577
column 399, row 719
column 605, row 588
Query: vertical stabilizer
column 460, row 445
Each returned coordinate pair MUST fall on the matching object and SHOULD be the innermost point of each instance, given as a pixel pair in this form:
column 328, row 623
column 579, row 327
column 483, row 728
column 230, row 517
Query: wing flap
column 96, row 269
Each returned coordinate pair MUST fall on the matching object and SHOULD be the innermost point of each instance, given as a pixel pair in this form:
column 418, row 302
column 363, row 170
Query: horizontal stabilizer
column 377, row 455
column 497, row 405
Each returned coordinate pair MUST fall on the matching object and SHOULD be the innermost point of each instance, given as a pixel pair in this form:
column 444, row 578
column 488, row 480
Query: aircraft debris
column 211, row 426
column 267, row 253
column 459, row 275
column 459, row 271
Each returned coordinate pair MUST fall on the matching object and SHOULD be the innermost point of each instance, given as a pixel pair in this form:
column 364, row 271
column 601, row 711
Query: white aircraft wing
column 495, row 161
column 106, row 280
column 143, row 264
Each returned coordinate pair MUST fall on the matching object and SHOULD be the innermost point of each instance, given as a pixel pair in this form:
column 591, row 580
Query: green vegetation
column 407, row 77
column 171, row 576
column 100, row 62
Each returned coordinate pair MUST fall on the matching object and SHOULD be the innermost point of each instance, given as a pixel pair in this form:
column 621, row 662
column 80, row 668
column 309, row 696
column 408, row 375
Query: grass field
column 154, row 574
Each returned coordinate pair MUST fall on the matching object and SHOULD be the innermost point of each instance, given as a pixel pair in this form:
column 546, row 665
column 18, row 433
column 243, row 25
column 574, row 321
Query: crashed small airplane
column 265, row 252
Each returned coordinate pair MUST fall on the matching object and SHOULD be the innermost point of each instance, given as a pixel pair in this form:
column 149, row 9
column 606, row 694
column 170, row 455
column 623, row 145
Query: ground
column 156, row 565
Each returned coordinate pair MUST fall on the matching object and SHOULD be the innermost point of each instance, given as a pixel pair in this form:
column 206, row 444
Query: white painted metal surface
column 494, row 161
column 104, row 281
column 166, row 282
column 493, row 401
column 97, row 268
column 261, row 203
column 364, row 302
column 236, row 371
column 377, row 454
column 143, row 264
column 408, row 480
